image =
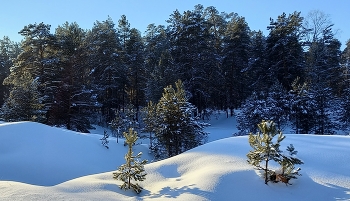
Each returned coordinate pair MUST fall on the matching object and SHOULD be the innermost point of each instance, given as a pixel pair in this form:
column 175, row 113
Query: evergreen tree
column 133, row 169
column 125, row 119
column 288, row 163
column 251, row 113
column 344, row 111
column 176, row 130
column 192, row 53
column 23, row 103
column 106, row 71
column 72, row 98
column 104, row 139
column 284, row 49
column 217, row 25
column 136, row 70
column 302, row 106
column 265, row 150
column 159, row 63
column 38, row 59
column 9, row 50
column 257, row 72
column 271, row 105
column 235, row 61
column 150, row 120
column 117, row 124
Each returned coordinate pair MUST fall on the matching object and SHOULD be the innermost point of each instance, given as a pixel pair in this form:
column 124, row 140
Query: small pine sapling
column 117, row 124
column 287, row 166
column 133, row 169
column 264, row 149
column 104, row 139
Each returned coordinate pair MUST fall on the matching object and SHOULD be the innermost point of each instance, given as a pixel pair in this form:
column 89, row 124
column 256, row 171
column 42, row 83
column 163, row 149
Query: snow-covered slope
column 37, row 154
column 38, row 162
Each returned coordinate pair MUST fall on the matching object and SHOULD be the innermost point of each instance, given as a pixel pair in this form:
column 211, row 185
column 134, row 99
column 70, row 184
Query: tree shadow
column 168, row 192
column 237, row 186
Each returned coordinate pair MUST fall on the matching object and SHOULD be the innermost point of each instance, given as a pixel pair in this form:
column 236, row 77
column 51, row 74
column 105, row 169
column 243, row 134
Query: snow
column 38, row 162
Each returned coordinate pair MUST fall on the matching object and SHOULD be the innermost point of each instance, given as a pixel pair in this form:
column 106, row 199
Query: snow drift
column 38, row 162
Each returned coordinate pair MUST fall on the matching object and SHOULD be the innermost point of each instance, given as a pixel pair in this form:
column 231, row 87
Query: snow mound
column 41, row 155
column 39, row 162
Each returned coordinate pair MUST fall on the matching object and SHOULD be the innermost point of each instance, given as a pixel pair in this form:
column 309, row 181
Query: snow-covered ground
column 38, row 162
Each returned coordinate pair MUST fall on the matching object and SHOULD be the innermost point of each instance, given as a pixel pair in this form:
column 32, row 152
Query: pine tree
column 107, row 73
column 37, row 59
column 136, row 70
column 72, row 104
column 271, row 105
column 257, row 66
column 284, row 49
column 235, row 61
column 104, row 139
column 287, row 163
column 301, row 104
column 265, row 150
column 251, row 113
column 117, row 124
column 159, row 63
column 193, row 55
column 344, row 112
column 133, row 169
column 176, row 130
column 150, row 120
column 8, row 52
column 23, row 103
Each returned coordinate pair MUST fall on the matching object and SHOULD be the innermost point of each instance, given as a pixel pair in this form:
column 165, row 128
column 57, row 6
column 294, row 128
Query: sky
column 15, row 14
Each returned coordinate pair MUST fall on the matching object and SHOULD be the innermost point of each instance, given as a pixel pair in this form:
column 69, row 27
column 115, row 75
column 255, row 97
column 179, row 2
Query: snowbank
column 39, row 162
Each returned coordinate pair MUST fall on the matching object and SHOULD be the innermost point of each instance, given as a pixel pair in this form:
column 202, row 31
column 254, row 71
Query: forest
column 296, row 75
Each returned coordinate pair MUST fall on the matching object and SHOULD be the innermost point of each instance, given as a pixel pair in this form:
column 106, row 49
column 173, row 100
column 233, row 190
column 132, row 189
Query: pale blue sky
column 15, row 14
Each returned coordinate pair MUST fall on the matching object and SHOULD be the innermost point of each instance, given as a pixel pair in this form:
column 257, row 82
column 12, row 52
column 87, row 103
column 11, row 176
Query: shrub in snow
column 133, row 169
column 266, row 150
column 104, row 139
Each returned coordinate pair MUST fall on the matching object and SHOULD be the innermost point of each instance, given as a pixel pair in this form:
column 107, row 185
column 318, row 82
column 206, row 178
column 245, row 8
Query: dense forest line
column 74, row 77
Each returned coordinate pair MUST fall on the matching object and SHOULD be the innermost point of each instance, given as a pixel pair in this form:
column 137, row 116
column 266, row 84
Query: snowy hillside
column 38, row 162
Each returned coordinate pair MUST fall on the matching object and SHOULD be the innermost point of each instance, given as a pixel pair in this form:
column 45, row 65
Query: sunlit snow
column 38, row 162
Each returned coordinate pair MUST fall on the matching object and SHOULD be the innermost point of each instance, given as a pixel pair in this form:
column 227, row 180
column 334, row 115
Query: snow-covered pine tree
column 253, row 110
column 272, row 105
column 23, row 103
column 70, row 91
column 150, row 120
column 9, row 50
column 176, row 129
column 133, row 169
column 284, row 49
column 302, row 104
column 236, row 42
column 344, row 105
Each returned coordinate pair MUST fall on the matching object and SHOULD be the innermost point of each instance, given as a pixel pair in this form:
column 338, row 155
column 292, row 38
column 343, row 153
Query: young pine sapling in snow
column 133, row 169
column 104, row 139
column 265, row 150
column 287, row 166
